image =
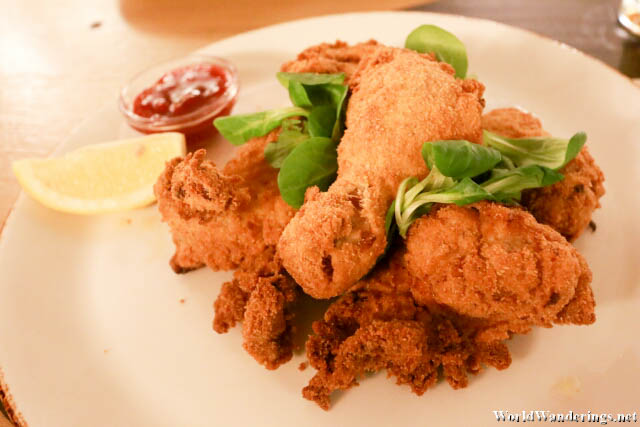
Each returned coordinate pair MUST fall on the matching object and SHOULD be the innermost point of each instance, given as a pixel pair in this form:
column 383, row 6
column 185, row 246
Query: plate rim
column 7, row 399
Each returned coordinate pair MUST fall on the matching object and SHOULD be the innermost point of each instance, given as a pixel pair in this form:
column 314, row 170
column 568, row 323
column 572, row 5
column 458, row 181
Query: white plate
column 93, row 333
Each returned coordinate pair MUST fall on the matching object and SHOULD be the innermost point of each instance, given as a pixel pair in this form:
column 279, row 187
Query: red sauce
column 181, row 91
column 186, row 99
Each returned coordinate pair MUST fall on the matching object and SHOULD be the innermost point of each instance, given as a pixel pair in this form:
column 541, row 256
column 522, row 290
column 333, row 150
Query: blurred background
column 62, row 60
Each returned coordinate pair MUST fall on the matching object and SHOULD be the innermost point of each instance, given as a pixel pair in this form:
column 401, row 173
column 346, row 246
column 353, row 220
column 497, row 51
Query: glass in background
column 629, row 16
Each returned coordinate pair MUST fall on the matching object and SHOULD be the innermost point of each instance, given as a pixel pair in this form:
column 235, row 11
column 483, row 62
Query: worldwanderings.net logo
column 553, row 417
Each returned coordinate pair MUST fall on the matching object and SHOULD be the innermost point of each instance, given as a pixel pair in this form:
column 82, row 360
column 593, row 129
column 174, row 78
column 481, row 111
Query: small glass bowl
column 196, row 124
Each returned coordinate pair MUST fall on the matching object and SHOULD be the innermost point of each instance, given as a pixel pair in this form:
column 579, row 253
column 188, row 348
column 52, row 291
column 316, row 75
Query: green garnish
column 305, row 151
column 240, row 128
column 294, row 132
column 460, row 159
column 460, row 172
column 309, row 79
column 464, row 173
column 313, row 162
column 447, row 47
column 543, row 151
column 505, row 185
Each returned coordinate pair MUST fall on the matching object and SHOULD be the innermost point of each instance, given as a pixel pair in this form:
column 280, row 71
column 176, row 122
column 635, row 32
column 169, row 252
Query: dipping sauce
column 186, row 98
column 181, row 91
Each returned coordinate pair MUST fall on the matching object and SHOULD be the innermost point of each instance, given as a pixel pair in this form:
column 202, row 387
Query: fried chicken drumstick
column 400, row 99
column 233, row 218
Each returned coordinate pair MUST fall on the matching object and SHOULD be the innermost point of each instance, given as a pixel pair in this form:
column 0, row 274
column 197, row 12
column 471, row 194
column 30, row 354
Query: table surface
column 60, row 60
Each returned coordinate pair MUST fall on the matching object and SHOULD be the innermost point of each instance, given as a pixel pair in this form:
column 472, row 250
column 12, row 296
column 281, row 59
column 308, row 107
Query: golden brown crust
column 331, row 58
column 380, row 326
column 468, row 279
column 267, row 329
column 490, row 261
column 399, row 346
column 400, row 100
column 512, row 123
column 233, row 219
column 222, row 219
column 568, row 205
column 262, row 295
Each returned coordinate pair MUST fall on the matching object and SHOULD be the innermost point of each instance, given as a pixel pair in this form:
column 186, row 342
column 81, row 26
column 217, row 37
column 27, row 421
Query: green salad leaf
column 321, row 98
column 240, row 128
column 314, row 162
column 507, row 185
column 550, row 152
column 463, row 192
column 305, row 151
column 463, row 173
column 447, row 47
column 459, row 159
column 293, row 133
column 322, row 120
column 309, row 79
column 298, row 95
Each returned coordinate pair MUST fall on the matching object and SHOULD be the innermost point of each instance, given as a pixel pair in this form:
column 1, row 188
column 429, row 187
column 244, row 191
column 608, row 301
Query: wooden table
column 61, row 60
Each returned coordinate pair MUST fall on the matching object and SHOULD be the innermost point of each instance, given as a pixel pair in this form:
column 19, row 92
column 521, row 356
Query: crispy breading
column 400, row 100
column 327, row 58
column 380, row 326
column 466, row 281
column 469, row 278
column 261, row 295
column 400, row 346
column 568, row 205
column 490, row 261
column 512, row 123
column 222, row 219
column 232, row 219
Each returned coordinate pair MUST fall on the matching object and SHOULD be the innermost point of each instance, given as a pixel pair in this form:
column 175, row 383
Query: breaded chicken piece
column 512, row 123
column 469, row 278
column 380, row 326
column 222, row 219
column 262, row 297
column 233, row 219
column 400, row 99
column 567, row 205
column 489, row 261
column 326, row 58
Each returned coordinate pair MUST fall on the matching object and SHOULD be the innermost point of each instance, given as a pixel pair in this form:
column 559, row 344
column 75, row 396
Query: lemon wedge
column 107, row 177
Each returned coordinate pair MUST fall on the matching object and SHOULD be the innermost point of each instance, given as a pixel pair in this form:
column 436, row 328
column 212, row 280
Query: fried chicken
column 222, row 219
column 380, row 326
column 469, row 278
column 262, row 297
column 232, row 219
column 338, row 57
column 566, row 206
column 490, row 261
column 400, row 99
